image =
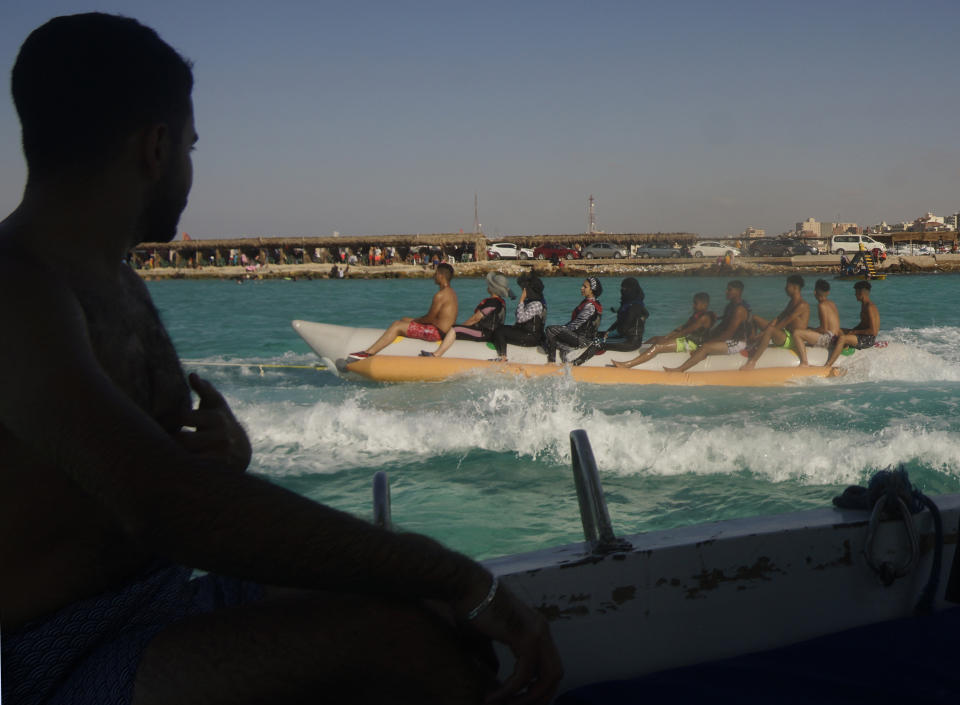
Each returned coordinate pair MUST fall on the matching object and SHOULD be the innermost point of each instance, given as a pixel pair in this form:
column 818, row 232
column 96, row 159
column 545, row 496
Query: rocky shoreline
column 742, row 267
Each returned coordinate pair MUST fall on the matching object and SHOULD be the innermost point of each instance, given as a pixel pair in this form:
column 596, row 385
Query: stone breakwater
column 742, row 267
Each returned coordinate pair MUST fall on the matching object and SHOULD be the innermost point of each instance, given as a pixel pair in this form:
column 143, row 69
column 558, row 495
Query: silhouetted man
column 113, row 488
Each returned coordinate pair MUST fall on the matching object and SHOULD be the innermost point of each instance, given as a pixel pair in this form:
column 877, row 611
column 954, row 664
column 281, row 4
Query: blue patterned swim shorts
column 88, row 652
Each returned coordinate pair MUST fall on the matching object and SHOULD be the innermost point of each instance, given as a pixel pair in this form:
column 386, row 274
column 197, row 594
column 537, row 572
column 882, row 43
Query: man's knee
column 300, row 643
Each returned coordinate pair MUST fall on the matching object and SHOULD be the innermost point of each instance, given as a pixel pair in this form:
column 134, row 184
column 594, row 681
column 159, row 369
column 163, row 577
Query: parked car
column 558, row 251
column 508, row 250
column 846, row 244
column 657, row 251
column 780, row 247
column 802, row 248
column 604, row 250
column 712, row 248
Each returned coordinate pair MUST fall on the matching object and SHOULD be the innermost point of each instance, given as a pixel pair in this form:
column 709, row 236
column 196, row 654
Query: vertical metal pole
column 584, row 498
column 597, row 528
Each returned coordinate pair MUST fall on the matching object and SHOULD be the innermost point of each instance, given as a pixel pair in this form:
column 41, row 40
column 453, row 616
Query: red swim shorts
column 423, row 331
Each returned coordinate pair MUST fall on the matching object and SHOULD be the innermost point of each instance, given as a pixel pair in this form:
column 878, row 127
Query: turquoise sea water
column 482, row 463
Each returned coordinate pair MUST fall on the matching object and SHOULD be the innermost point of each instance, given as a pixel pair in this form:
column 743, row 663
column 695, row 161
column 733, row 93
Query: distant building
column 814, row 228
column 808, row 226
column 951, row 221
column 929, row 222
column 843, row 228
column 753, row 232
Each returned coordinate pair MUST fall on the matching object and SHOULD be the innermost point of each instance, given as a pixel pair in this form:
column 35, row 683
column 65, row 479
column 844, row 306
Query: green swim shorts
column 686, row 345
column 788, row 343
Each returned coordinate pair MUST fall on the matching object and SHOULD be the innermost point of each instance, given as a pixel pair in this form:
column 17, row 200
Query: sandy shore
column 742, row 266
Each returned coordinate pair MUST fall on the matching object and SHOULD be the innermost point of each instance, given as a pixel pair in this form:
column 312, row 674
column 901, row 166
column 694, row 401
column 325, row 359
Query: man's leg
column 717, row 347
column 800, row 340
column 646, row 356
column 842, row 341
column 770, row 334
column 389, row 335
column 311, row 647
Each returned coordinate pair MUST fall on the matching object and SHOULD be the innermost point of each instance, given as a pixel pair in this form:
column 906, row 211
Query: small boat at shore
column 401, row 362
column 859, row 277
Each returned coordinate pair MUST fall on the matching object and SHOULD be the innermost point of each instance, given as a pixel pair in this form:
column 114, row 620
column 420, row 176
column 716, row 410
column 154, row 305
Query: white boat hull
column 701, row 593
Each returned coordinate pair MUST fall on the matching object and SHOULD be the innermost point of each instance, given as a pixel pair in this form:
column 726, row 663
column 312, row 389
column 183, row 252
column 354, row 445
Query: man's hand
column 218, row 436
column 538, row 669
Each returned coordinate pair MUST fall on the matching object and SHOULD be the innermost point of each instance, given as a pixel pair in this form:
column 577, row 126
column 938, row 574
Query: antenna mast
column 476, row 214
column 592, row 226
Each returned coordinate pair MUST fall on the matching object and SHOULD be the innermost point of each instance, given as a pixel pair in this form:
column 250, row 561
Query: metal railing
column 597, row 528
column 381, row 501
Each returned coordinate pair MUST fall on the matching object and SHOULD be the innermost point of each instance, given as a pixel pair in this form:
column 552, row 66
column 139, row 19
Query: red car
column 558, row 251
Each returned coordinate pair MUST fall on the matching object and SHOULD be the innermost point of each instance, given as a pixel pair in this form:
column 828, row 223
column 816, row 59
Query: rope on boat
column 888, row 495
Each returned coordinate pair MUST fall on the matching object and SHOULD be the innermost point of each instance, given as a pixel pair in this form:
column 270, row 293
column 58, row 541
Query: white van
column 840, row 244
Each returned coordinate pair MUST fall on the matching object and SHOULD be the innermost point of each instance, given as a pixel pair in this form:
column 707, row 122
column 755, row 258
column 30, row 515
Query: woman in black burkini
column 627, row 330
column 531, row 314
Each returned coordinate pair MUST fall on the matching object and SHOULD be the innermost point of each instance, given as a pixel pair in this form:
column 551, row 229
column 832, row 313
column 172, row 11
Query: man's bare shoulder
column 28, row 285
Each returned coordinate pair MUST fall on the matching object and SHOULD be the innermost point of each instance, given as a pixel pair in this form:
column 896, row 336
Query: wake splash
column 913, row 355
column 529, row 423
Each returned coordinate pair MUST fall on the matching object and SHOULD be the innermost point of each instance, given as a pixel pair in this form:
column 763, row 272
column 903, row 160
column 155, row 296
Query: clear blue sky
column 386, row 117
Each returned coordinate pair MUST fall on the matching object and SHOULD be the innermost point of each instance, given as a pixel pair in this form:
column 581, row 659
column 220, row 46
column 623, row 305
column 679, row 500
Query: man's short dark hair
column 445, row 269
column 795, row 279
column 821, row 285
column 83, row 83
column 735, row 284
column 862, row 285
column 702, row 296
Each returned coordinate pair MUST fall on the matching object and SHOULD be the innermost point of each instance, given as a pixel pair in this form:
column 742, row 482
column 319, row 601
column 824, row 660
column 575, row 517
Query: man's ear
column 153, row 149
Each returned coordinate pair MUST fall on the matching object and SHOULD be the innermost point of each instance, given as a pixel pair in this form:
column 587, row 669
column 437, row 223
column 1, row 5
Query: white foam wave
column 375, row 427
column 809, row 455
column 358, row 431
column 911, row 359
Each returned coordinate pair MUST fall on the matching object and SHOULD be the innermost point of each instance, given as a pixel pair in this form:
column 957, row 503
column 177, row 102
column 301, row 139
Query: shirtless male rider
column 865, row 334
column 113, row 488
column 684, row 338
column 729, row 336
column 822, row 335
column 432, row 327
column 778, row 331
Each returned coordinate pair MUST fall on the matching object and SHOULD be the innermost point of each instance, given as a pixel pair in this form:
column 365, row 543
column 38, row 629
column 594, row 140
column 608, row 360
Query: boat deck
column 911, row 660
